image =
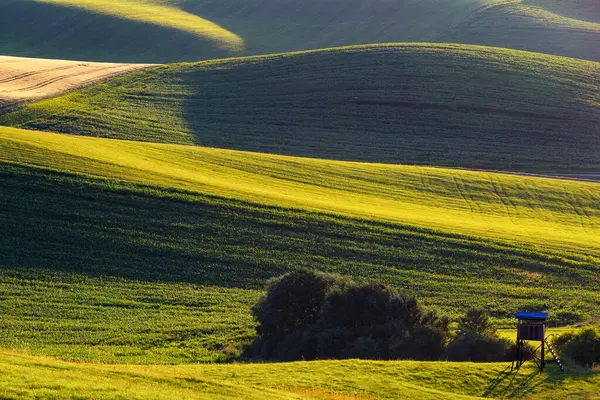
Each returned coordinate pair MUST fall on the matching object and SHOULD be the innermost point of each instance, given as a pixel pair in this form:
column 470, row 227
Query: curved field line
column 538, row 12
column 161, row 15
column 535, row 213
column 579, row 12
column 12, row 78
column 75, row 76
column 27, row 79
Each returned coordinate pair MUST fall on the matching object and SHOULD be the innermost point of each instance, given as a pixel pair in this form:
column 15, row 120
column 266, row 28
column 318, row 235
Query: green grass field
column 158, row 31
column 405, row 103
column 188, row 236
column 135, row 240
column 547, row 212
column 35, row 377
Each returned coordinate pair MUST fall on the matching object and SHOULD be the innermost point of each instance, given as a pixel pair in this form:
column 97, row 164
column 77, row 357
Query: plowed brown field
column 23, row 79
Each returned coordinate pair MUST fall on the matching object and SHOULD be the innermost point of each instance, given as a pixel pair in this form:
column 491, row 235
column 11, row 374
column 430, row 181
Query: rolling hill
column 24, row 79
column 334, row 380
column 447, row 105
column 103, row 30
column 141, row 234
column 152, row 31
column 141, row 252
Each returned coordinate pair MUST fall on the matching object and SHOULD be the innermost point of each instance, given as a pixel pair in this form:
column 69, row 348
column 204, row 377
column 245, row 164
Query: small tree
column 309, row 315
column 582, row 347
column 476, row 322
column 293, row 301
column 477, row 340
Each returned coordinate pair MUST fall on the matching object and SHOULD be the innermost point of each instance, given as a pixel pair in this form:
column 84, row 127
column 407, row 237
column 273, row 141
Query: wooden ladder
column 554, row 355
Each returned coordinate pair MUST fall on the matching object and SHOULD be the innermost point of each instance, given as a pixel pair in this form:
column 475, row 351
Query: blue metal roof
column 531, row 315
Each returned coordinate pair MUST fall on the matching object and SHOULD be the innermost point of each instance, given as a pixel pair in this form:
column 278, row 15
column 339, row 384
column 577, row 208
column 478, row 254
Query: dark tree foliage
column 356, row 307
column 582, row 347
column 476, row 322
column 477, row 340
column 309, row 315
column 479, row 348
column 293, row 301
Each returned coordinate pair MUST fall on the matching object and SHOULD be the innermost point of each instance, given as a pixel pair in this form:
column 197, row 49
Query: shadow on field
column 71, row 224
column 34, row 29
column 390, row 106
column 510, row 384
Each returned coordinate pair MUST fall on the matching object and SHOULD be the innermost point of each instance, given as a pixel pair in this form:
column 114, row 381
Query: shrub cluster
column 477, row 340
column 308, row 315
column 582, row 347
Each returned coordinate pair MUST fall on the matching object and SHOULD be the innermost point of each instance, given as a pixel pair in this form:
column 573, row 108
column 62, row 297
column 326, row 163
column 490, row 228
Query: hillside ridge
column 436, row 104
column 194, row 30
column 413, row 195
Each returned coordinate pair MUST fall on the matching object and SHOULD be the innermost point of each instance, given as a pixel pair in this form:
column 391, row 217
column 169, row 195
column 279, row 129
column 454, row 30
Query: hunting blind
column 532, row 328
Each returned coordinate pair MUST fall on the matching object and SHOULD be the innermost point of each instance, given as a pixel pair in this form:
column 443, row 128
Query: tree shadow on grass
column 516, row 383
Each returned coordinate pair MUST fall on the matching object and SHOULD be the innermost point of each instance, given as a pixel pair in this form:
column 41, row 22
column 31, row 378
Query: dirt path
column 24, row 79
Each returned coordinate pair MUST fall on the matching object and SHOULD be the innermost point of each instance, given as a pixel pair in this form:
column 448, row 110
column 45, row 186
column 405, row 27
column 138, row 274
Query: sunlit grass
column 35, row 377
column 544, row 11
column 119, row 272
column 546, row 212
column 411, row 103
column 159, row 14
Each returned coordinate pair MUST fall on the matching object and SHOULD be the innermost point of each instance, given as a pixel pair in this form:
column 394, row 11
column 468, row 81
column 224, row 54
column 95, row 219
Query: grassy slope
column 561, row 27
column 584, row 10
column 409, row 103
column 89, row 266
column 548, row 212
column 34, row 377
column 156, row 13
column 199, row 29
column 94, row 33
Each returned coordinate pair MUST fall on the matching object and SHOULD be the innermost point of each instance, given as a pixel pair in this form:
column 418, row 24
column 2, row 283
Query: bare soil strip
column 25, row 79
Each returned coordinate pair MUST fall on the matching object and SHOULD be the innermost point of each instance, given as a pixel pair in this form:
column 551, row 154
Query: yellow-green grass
column 96, row 269
column 575, row 14
column 154, row 31
column 36, row 377
column 445, row 105
column 551, row 333
column 565, row 28
column 580, row 10
column 546, row 212
column 157, row 13
column 111, row 31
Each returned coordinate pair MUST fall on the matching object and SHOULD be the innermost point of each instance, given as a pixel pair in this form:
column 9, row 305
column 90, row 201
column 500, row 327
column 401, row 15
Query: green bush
column 476, row 322
column 479, row 348
column 477, row 340
column 293, row 301
column 308, row 315
column 582, row 347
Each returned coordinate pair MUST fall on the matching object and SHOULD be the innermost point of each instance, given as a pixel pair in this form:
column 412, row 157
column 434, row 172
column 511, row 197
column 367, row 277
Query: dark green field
column 417, row 104
column 101, row 270
column 403, row 142
column 91, row 30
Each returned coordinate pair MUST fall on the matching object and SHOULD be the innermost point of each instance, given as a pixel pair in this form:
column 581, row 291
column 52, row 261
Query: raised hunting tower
column 532, row 328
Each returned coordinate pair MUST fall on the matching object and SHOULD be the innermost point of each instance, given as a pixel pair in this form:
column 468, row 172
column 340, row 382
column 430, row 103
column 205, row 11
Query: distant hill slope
column 164, row 248
column 449, row 105
column 117, row 31
column 23, row 79
column 151, row 31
